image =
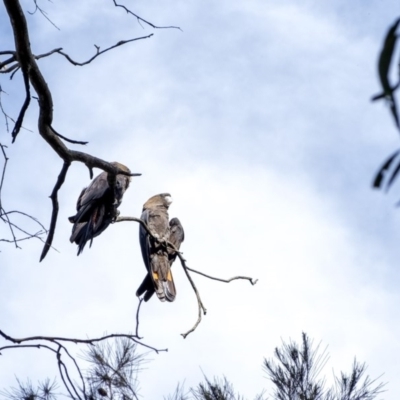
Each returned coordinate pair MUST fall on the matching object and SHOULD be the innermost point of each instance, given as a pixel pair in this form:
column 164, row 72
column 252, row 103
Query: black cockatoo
column 157, row 259
column 97, row 207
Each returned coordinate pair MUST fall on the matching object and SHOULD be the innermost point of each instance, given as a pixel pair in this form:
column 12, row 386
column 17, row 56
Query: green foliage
column 390, row 169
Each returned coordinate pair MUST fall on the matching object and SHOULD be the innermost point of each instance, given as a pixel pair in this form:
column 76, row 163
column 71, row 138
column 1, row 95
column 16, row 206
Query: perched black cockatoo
column 157, row 259
column 97, row 207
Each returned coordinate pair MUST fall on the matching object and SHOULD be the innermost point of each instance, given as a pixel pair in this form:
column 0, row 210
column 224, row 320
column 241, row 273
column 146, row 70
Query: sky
column 256, row 118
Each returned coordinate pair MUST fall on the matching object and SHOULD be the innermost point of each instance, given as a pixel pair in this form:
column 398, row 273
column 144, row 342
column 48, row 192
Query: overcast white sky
column 256, row 118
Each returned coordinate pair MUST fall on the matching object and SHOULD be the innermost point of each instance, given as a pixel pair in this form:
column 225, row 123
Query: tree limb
column 54, row 215
column 98, row 51
column 33, row 76
column 53, row 339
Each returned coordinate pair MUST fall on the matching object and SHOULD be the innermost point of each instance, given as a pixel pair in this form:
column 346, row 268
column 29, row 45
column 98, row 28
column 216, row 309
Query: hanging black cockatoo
column 97, row 207
column 156, row 257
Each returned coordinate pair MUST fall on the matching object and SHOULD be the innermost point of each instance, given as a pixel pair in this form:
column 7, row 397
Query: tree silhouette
column 112, row 373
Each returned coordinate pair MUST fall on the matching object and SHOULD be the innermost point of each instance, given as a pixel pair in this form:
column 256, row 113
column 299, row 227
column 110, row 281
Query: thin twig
column 25, row 105
column 29, row 235
column 140, row 19
column 14, row 67
column 137, row 318
column 36, row 346
column 60, row 346
column 28, row 216
column 199, row 302
column 4, row 167
column 8, row 61
column 76, row 341
column 44, row 13
column 6, row 116
column 251, row 280
column 60, row 365
column 141, row 222
column 2, row 211
column 98, row 51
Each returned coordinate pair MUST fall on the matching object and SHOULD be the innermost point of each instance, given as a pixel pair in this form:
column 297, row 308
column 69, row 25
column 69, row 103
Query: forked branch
column 5, row 216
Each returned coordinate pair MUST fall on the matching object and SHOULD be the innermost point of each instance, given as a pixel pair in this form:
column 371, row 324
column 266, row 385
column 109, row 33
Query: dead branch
column 251, row 280
column 140, row 19
column 98, row 51
column 44, row 13
column 199, row 302
column 4, row 168
column 6, row 116
column 61, row 367
column 25, row 105
column 32, row 346
column 137, row 318
column 201, row 308
column 54, row 215
column 141, row 222
column 28, row 236
column 76, row 366
column 54, row 339
column 69, row 140
column 28, row 216
column 5, row 215
column 8, row 61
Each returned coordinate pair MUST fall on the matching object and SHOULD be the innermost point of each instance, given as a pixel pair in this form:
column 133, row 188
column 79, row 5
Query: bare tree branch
column 140, row 19
column 98, row 51
column 44, row 13
column 8, row 61
column 25, row 105
column 61, row 367
column 69, row 140
column 6, row 116
column 54, row 200
column 5, row 215
column 251, row 280
column 199, row 302
column 53, row 339
column 137, row 318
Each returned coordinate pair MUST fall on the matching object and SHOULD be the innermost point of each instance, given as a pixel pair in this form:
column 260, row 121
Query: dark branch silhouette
column 54, row 215
column 5, row 216
column 33, row 76
column 98, row 51
column 140, row 19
